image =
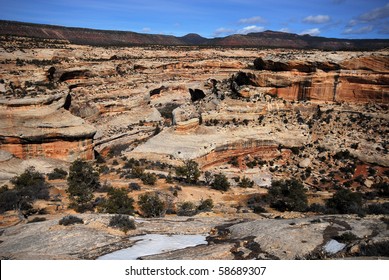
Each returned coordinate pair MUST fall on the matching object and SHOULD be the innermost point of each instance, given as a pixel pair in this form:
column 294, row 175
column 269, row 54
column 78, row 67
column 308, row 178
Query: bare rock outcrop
column 332, row 78
column 306, row 236
column 287, row 239
column 34, row 127
column 49, row 240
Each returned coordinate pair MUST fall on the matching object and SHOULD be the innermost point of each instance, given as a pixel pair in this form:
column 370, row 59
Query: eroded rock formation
column 335, row 79
column 34, row 127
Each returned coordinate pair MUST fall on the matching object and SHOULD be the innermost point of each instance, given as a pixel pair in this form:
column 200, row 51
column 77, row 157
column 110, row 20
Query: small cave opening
column 68, row 102
column 196, row 94
column 50, row 73
column 76, row 74
column 242, row 78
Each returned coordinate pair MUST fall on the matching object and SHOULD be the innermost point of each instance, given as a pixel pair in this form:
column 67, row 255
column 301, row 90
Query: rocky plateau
column 318, row 116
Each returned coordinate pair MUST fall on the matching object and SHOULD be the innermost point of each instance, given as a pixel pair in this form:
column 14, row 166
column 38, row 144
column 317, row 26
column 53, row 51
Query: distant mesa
column 194, row 39
column 266, row 39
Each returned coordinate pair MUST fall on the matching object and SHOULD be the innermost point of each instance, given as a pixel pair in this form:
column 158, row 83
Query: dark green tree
column 220, row 182
column 382, row 188
column 83, row 180
column 151, row 205
column 246, row 183
column 288, row 195
column 190, row 171
column 187, row 208
column 208, row 177
column 122, row 222
column 148, row 178
column 28, row 187
column 344, row 201
column 117, row 202
column 205, row 205
column 57, row 173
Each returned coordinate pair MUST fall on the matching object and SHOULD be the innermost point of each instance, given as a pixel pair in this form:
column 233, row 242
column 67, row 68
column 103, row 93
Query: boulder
column 305, row 163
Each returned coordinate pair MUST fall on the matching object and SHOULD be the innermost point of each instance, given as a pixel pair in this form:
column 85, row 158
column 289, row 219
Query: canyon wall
column 264, row 149
column 359, row 80
column 41, row 127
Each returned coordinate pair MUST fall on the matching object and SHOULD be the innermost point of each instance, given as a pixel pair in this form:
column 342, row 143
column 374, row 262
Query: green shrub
column 288, row 195
column 343, row 154
column 103, row 169
column 344, row 201
column 190, row 171
column 205, row 205
column 375, row 249
column 317, row 208
column 234, row 161
column 134, row 186
column 11, row 200
column 151, row 205
column 208, row 177
column 28, row 187
column 257, row 209
column 130, row 163
column 382, row 188
column 169, row 178
column 83, row 180
column 246, row 183
column 70, row 220
column 220, row 182
column 31, row 184
column 57, row 173
column 187, row 208
column 117, row 202
column 255, row 203
column 378, row 208
column 148, row 178
column 137, row 172
column 346, row 237
column 122, row 222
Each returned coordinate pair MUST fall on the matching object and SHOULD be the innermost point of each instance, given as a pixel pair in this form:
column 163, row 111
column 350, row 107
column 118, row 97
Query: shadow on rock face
column 196, row 94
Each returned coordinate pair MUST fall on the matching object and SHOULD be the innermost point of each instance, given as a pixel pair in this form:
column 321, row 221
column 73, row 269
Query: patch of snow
column 334, row 246
column 151, row 244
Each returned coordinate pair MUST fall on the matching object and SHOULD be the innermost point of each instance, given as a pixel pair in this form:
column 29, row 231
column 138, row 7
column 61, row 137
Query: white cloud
column 361, row 30
column 376, row 19
column 146, row 29
column 375, row 14
column 251, row 28
column 252, row 20
column 285, row 29
column 352, row 23
column 312, row 32
column 317, row 19
column 223, row 31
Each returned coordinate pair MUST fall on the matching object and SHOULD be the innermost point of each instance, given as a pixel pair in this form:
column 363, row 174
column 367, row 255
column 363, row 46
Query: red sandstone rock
column 41, row 127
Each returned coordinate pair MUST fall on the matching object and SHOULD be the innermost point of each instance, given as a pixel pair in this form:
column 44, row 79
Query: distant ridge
column 195, row 39
column 266, row 39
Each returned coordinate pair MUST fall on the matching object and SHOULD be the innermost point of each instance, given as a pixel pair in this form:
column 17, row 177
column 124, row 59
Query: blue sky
column 210, row 18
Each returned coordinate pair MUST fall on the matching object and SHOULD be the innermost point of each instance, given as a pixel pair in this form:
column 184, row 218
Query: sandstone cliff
column 33, row 127
column 330, row 78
